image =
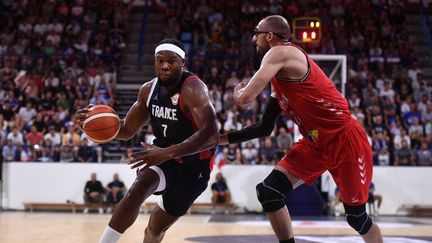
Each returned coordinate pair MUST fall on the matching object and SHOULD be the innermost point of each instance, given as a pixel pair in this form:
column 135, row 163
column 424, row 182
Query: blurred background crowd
column 59, row 55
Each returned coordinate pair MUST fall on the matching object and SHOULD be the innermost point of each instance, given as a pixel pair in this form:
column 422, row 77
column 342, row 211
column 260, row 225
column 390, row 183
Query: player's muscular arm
column 273, row 61
column 197, row 101
column 137, row 116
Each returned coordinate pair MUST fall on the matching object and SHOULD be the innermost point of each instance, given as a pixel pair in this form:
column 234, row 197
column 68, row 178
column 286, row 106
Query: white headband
column 170, row 47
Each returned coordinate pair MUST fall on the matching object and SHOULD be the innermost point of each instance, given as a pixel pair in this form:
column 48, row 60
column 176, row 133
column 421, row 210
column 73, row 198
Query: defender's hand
column 238, row 90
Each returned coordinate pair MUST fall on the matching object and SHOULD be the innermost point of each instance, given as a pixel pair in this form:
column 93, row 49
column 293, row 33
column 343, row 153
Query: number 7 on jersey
column 164, row 129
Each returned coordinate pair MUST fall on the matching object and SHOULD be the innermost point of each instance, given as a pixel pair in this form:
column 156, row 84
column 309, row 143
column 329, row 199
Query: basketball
column 102, row 124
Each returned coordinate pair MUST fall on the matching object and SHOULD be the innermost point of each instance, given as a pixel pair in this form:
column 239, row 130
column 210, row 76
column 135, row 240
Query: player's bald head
column 278, row 25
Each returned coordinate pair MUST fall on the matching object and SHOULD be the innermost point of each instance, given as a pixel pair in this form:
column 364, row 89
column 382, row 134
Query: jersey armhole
column 151, row 92
column 299, row 80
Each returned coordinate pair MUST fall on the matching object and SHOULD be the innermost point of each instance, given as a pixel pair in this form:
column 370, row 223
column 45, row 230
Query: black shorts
column 184, row 183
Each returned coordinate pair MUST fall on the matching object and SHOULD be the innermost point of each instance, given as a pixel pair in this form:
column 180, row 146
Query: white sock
column 110, row 235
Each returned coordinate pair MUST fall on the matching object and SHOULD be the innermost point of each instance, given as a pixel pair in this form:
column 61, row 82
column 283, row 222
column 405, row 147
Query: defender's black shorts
column 184, row 183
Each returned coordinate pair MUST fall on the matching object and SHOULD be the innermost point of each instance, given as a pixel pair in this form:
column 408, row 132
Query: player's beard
column 173, row 80
column 263, row 49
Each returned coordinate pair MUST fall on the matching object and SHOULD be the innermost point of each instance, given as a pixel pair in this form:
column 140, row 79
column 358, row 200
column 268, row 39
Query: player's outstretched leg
column 127, row 210
column 158, row 224
column 360, row 221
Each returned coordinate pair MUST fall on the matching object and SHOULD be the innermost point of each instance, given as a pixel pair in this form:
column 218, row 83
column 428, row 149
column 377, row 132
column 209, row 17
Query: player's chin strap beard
column 172, row 83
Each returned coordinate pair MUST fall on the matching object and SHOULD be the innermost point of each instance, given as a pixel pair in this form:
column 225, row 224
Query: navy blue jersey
column 171, row 122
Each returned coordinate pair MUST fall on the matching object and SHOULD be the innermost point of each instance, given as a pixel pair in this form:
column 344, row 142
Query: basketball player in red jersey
column 177, row 166
column 332, row 140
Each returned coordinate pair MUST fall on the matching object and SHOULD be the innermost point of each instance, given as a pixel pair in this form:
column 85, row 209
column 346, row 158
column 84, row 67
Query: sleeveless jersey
column 171, row 123
column 313, row 103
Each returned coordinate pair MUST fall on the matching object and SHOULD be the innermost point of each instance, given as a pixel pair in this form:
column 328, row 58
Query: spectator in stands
column 267, row 152
column 9, row 151
column 47, row 154
column 354, row 101
column 63, row 101
column 71, row 137
column 98, row 99
column 221, row 194
column 232, row 81
column 53, row 136
column 233, row 154
column 26, row 153
column 85, row 152
column 216, row 98
column 40, row 123
column 411, row 114
column 57, row 123
column 384, row 157
column 16, row 136
column 424, row 155
column 404, row 155
column 27, row 113
column 115, row 192
column 3, row 127
column 249, row 154
column 337, row 204
column 17, row 122
column 378, row 125
column 67, row 153
column 369, row 91
column 415, row 132
column 6, row 110
column 284, row 140
column 232, row 122
column 398, row 138
column 93, row 193
column 420, row 88
column 422, row 106
column 413, row 71
column 380, row 143
column 373, row 209
column 358, row 114
column 387, row 91
column 34, row 137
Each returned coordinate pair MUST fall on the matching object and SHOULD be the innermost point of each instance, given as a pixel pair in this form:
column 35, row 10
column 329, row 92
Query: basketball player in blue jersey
column 177, row 165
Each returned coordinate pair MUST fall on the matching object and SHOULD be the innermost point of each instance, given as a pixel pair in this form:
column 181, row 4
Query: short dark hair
column 279, row 26
column 172, row 41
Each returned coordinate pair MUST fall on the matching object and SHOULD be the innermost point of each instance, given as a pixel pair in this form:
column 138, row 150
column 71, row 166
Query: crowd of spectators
column 56, row 56
column 79, row 44
column 386, row 90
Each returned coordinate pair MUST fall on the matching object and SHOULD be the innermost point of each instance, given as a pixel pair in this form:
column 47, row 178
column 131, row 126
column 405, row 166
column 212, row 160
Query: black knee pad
column 357, row 218
column 272, row 191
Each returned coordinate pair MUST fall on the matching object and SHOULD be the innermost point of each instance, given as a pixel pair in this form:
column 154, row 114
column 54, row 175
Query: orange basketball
column 102, row 124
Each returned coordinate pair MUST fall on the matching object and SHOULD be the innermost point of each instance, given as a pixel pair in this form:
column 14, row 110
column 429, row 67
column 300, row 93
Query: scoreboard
column 307, row 29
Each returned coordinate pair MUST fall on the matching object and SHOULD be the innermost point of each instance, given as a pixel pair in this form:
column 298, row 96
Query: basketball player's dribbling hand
column 151, row 155
column 81, row 115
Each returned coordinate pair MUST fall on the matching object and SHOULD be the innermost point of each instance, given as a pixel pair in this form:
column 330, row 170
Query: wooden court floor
column 40, row 227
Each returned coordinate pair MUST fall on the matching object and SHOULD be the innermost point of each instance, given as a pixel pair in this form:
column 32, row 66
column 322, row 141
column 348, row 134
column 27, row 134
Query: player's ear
column 270, row 36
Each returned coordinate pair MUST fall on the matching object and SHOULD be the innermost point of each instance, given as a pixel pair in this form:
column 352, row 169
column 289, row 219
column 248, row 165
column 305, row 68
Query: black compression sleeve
column 260, row 129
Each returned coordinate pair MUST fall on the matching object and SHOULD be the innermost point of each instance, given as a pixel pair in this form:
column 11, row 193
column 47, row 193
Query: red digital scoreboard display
column 307, row 29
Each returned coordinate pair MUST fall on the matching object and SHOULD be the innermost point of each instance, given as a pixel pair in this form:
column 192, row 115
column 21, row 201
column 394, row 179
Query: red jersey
column 313, row 103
